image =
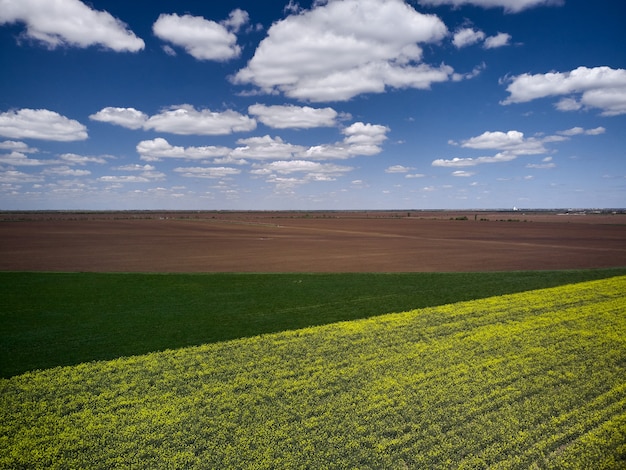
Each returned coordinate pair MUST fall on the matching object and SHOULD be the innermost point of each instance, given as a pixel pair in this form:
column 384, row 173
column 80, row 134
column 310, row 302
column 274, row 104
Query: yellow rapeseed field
column 530, row 380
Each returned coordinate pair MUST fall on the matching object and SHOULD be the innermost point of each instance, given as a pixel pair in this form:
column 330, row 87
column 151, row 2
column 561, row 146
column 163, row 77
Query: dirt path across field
column 296, row 242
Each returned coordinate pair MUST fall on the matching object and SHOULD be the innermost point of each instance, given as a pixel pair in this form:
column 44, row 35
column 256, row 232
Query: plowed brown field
column 309, row 242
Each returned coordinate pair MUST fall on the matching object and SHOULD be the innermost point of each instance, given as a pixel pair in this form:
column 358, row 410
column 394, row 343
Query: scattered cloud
column 463, row 162
column 294, row 117
column 340, row 49
column 207, row 172
column 14, row 176
column 510, row 6
column 125, row 117
column 157, row 149
column 21, row 159
column 603, row 88
column 546, row 164
column 40, row 124
column 17, row 146
column 463, row 174
column 398, row 169
column 65, row 171
column 511, row 145
column 466, row 37
column 580, row 130
column 201, row 38
column 499, row 40
column 69, row 23
column 265, row 148
column 182, row 120
column 74, row 159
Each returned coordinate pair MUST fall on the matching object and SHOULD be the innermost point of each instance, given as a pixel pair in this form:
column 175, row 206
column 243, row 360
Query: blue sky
column 337, row 104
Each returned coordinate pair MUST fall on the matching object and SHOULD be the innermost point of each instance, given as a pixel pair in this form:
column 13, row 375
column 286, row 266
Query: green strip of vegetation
column 529, row 380
column 51, row 319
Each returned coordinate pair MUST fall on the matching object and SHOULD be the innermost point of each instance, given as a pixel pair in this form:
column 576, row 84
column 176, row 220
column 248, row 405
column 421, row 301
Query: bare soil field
column 376, row 241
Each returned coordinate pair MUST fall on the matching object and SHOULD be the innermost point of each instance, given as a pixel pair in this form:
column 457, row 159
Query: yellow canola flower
column 535, row 379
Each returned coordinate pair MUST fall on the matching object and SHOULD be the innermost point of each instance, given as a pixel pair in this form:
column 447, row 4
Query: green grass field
column 51, row 319
column 529, row 380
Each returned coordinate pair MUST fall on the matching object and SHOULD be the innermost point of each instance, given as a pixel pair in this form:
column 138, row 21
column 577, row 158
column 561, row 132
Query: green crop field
column 51, row 319
column 528, row 380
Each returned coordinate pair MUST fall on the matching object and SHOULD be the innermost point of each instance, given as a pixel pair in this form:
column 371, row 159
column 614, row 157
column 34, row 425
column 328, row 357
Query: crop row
column 530, row 380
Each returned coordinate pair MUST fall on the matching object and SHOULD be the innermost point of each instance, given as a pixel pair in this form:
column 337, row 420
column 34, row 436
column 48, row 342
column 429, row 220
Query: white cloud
column 182, row 120
column 360, row 139
column 511, row 144
column 499, row 40
column 125, row 117
column 464, row 162
column 69, row 23
column 21, row 159
column 463, row 174
column 203, row 39
column 293, row 117
column 511, row 141
column 186, row 120
column 580, row 130
column 14, row 176
column 156, row 149
column 65, row 171
column 398, row 169
column 510, row 6
column 236, row 19
column 17, row 146
column 40, row 124
column 207, row 172
column 299, row 166
column 467, row 37
column 599, row 87
column 265, row 148
column 74, row 159
column 414, row 175
column 124, row 179
column 343, row 48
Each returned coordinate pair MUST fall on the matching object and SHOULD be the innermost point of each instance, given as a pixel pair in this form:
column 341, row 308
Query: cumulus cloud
column 125, row 117
column 157, row 149
column 20, row 159
column 74, row 159
column 201, row 38
column 18, row 177
column 69, row 23
column 342, row 48
column 510, row 6
column 360, row 139
column 511, row 141
column 40, row 124
column 17, row 146
column 398, row 169
column 305, row 166
column 599, row 87
column 463, row 173
column 275, row 173
column 146, row 174
column 463, row 162
column 499, row 40
column 580, row 130
column 65, row 171
column 182, row 120
column 265, row 148
column 293, row 117
column 511, row 145
column 186, row 120
column 207, row 172
column 466, row 37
